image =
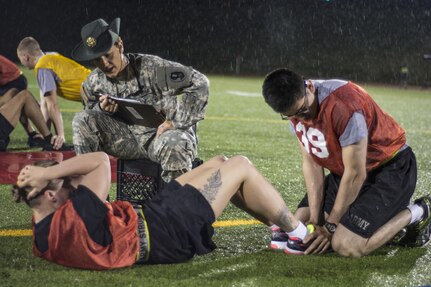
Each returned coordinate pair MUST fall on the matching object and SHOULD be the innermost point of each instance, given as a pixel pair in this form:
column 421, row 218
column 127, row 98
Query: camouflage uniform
column 178, row 92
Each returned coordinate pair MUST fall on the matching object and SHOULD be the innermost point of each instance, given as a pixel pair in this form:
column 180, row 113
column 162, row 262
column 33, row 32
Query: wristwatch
column 330, row 227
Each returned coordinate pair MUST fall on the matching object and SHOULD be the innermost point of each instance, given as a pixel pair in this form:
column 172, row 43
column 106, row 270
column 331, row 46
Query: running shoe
column 419, row 233
column 278, row 239
column 36, row 140
column 295, row 245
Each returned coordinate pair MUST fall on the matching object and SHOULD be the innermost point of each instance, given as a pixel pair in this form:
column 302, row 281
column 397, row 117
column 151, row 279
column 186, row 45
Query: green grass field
column 238, row 124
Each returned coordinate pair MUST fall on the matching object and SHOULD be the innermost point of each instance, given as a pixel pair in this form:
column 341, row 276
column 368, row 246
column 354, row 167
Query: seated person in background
column 56, row 75
column 178, row 92
column 70, row 198
column 24, row 103
column 12, row 81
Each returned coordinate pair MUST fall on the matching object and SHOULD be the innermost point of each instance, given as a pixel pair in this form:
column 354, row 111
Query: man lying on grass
column 74, row 225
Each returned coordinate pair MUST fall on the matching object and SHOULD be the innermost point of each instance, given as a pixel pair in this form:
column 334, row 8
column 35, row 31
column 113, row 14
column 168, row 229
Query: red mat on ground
column 12, row 162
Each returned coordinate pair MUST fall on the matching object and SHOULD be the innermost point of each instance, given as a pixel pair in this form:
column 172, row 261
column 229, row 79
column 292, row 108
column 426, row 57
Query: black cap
column 97, row 38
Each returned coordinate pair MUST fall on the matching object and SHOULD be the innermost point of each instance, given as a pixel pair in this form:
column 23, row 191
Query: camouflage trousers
column 174, row 150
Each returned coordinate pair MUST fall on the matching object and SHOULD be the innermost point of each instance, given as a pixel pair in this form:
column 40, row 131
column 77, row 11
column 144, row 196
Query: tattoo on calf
column 283, row 219
column 210, row 190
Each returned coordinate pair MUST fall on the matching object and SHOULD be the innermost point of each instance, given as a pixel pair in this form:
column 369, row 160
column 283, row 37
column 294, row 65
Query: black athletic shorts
column 179, row 222
column 19, row 83
column 386, row 192
column 5, row 129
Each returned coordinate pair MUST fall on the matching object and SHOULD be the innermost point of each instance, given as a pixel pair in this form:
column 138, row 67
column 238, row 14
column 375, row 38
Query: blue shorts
column 386, row 192
column 179, row 222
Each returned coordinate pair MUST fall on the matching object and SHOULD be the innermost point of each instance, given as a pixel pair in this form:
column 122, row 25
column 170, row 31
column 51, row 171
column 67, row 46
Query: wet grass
column 243, row 125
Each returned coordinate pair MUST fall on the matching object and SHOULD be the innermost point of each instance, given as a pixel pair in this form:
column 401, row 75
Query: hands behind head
column 33, row 177
column 107, row 104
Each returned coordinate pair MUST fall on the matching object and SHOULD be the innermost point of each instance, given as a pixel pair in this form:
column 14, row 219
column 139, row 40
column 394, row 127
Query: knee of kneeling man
column 344, row 247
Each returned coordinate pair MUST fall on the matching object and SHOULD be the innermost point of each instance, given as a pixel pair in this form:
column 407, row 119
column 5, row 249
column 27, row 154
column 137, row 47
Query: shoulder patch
column 177, row 76
column 171, row 77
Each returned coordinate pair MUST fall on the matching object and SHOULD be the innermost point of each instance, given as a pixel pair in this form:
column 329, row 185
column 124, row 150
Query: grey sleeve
column 355, row 130
column 46, row 80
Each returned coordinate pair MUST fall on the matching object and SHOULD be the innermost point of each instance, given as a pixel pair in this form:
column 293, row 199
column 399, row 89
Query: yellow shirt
column 70, row 73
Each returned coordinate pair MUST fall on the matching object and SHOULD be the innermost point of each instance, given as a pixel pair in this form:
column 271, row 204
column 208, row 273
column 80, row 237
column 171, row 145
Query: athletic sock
column 31, row 134
column 417, row 212
column 300, row 231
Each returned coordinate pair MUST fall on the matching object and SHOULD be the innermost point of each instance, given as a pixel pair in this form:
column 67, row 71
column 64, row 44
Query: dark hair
column 282, row 88
column 20, row 194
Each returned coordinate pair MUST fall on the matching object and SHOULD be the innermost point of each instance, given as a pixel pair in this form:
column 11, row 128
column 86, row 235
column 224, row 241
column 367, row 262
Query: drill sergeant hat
column 97, row 38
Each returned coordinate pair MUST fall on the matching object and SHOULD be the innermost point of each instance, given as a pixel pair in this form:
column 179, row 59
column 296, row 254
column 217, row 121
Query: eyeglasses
column 301, row 112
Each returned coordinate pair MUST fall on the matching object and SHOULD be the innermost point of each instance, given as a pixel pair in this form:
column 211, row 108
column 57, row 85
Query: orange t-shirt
column 69, row 242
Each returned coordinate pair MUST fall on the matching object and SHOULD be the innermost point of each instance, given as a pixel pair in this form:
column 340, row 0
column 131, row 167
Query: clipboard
column 138, row 113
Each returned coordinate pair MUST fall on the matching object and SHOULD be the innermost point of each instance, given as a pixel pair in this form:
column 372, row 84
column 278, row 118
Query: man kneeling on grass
column 75, row 226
